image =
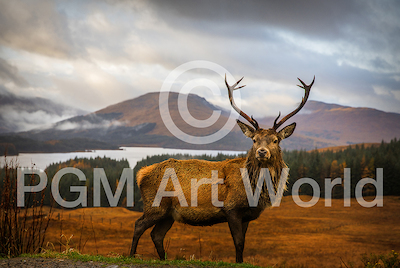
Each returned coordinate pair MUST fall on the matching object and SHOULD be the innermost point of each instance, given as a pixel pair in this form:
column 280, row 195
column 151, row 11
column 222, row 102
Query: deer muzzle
column 263, row 154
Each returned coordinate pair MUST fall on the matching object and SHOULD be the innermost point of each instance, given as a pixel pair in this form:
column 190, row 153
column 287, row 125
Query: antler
column 307, row 89
column 230, row 93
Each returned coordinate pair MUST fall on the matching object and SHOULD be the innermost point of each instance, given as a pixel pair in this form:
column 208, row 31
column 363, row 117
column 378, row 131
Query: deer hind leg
column 158, row 233
column 141, row 225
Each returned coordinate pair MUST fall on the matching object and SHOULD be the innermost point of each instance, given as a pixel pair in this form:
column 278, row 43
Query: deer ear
column 247, row 130
column 287, row 131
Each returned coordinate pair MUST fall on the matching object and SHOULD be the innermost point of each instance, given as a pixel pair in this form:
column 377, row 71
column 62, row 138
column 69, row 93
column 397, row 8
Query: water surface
column 132, row 154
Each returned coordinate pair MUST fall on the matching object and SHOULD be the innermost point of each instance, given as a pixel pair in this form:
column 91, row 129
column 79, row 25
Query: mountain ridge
column 19, row 113
column 137, row 122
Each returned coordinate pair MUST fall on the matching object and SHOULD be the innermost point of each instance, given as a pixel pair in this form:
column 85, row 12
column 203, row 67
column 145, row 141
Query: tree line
column 318, row 165
column 112, row 168
column 362, row 161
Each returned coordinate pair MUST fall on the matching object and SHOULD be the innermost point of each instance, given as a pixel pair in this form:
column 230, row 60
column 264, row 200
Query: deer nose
column 263, row 152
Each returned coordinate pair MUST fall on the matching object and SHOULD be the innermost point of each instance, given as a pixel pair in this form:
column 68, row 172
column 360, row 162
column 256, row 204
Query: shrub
column 390, row 260
column 22, row 230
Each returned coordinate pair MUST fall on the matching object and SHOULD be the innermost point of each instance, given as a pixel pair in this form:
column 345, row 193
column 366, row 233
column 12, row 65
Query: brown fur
column 236, row 210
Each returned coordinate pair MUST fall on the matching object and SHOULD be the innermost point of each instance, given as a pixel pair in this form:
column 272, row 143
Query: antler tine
column 276, row 119
column 233, row 104
column 304, row 99
column 233, row 87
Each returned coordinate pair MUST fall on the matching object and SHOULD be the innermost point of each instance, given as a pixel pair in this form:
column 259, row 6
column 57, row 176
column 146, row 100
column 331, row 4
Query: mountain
column 335, row 125
column 348, row 125
column 19, row 113
column 137, row 122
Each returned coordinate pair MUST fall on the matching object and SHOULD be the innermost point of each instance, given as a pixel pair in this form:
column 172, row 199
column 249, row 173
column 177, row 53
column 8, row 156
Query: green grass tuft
column 73, row 255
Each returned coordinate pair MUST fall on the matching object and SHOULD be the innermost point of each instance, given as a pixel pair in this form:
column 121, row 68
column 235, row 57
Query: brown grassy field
column 344, row 147
column 318, row 236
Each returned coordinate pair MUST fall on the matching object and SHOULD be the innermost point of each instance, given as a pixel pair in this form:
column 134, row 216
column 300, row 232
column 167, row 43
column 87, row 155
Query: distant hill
column 137, row 122
column 15, row 144
column 19, row 113
column 335, row 125
column 348, row 125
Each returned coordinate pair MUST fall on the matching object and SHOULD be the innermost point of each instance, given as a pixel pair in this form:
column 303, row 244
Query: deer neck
column 254, row 167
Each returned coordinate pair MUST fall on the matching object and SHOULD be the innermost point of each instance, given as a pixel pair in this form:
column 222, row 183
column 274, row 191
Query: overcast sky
column 91, row 54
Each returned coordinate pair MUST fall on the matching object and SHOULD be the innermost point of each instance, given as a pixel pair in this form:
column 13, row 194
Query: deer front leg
column 238, row 230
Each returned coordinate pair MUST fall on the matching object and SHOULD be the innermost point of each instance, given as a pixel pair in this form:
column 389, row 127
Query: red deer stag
column 179, row 178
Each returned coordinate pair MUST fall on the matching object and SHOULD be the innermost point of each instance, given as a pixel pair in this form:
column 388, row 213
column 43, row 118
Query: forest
column 112, row 168
column 361, row 160
column 318, row 165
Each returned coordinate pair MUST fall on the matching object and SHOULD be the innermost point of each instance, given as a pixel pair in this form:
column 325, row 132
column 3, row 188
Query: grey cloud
column 21, row 114
column 382, row 64
column 351, row 46
column 17, row 120
column 10, row 73
column 90, row 121
column 321, row 18
column 247, row 35
column 35, row 27
column 359, row 25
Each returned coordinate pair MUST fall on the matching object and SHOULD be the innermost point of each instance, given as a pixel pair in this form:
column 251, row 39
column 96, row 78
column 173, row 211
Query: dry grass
column 314, row 237
column 344, row 147
column 21, row 230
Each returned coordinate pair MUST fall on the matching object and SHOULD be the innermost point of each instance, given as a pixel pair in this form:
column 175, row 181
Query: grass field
column 287, row 236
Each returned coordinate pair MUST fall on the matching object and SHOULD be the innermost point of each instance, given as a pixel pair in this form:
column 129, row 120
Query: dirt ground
column 290, row 235
column 65, row 263
column 46, row 263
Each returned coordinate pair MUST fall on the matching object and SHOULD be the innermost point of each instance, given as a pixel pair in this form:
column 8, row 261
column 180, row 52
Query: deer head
column 266, row 147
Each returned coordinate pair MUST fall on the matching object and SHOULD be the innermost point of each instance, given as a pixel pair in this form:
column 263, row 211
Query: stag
column 265, row 153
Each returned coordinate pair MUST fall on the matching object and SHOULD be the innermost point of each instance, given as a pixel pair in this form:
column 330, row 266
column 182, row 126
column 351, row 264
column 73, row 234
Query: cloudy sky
column 90, row 54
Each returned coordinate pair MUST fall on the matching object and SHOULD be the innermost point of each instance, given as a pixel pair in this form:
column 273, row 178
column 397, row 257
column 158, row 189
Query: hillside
column 18, row 113
column 137, row 122
column 145, row 109
column 347, row 125
column 329, row 125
